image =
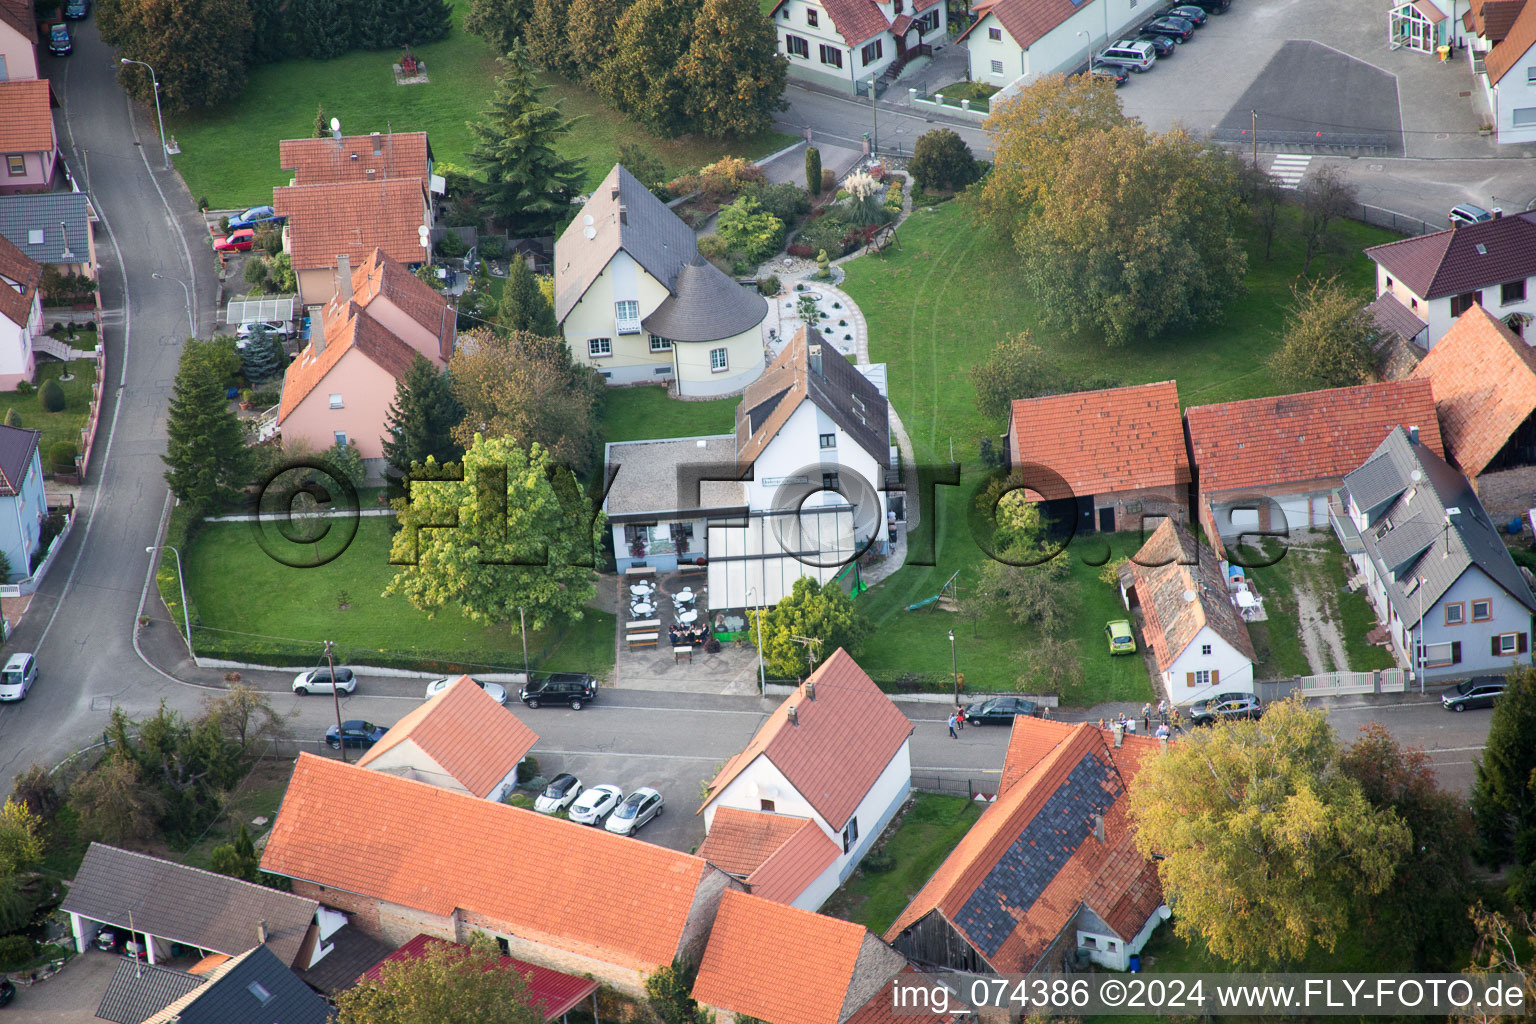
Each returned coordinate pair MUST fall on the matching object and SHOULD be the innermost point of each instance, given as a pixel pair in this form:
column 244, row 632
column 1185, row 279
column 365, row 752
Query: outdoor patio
column 1244, row 597
column 666, row 626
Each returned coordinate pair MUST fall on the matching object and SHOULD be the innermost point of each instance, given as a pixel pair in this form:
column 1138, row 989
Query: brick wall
column 626, row 979
column 363, row 910
column 1507, row 494
column 1172, row 502
column 701, row 916
column 379, row 918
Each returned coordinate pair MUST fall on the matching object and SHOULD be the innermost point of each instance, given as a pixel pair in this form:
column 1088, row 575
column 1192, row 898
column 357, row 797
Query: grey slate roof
column 1411, row 536
column 253, row 988
column 353, row 951
column 139, row 990
column 45, row 212
column 186, row 905
column 647, row 483
column 705, row 305
column 654, row 236
column 16, row 447
column 1392, row 317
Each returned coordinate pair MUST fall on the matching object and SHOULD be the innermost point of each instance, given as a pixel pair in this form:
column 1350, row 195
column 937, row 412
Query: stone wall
column 1150, row 503
column 701, row 916
column 627, row 980
column 363, row 910
column 1507, row 494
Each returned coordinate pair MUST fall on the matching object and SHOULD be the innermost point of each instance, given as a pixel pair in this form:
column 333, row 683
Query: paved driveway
column 69, row 997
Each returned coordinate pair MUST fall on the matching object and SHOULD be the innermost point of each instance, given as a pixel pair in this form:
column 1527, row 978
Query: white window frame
column 1486, row 601
column 1202, row 677
column 626, row 316
column 340, row 437
column 10, row 164
column 337, row 403
column 719, row 360
column 997, row 67
column 659, row 344
column 1509, row 643
column 1522, row 117
column 599, row 348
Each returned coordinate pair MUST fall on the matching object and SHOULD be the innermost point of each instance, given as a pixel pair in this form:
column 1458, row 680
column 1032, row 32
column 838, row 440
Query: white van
column 1135, row 56
column 17, row 677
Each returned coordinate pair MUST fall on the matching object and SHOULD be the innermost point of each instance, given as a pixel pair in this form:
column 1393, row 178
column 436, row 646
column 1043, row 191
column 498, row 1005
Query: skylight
column 259, row 990
column 35, row 236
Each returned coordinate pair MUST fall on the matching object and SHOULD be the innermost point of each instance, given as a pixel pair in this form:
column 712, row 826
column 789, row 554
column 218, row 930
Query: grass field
column 935, row 308
column 229, row 155
column 642, row 414
column 56, row 426
column 248, row 607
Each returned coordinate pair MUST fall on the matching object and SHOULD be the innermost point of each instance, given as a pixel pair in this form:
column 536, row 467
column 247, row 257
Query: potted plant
column 245, row 398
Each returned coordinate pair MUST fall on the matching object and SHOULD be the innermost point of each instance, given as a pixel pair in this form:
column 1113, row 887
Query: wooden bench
column 654, row 625
column 678, row 652
column 643, row 639
column 640, row 570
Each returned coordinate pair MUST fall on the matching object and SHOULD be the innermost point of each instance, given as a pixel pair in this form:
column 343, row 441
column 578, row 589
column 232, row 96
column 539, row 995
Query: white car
column 561, row 792
column 318, row 680
column 596, row 804
column 638, row 808
column 17, row 677
column 267, row 327
column 494, row 691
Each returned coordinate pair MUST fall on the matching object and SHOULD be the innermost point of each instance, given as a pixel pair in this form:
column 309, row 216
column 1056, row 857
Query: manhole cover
column 1441, row 136
column 1464, row 95
column 101, row 703
column 1375, row 167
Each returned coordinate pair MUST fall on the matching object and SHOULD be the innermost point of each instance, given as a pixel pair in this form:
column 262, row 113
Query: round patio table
column 642, row 609
column 641, row 589
column 686, row 596
column 687, row 617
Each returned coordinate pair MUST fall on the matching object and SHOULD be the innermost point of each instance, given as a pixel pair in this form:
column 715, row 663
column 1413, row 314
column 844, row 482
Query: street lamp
column 762, row 678
column 155, row 80
column 1087, row 47
column 874, row 120
column 191, row 324
column 954, row 666
column 181, row 581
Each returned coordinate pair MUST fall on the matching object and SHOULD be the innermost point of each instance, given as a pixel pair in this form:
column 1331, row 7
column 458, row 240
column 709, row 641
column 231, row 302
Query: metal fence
column 1392, row 221
column 1308, row 142
column 984, row 787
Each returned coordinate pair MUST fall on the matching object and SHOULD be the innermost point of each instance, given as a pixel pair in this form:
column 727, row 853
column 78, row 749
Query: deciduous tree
column 523, row 305
column 594, row 39
column 114, row 805
column 1017, row 368
column 733, row 73
column 1504, row 794
column 21, row 838
column 822, row 613
column 548, row 37
column 1267, row 848
column 645, row 75
column 245, row 716
column 1329, row 338
column 196, row 68
column 1329, row 197
column 526, row 539
column 421, row 419
column 206, row 458
column 942, row 160
column 447, row 984
column 499, row 22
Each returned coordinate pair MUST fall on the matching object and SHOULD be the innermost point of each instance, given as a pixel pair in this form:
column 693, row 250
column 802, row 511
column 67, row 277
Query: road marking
column 1451, row 750
column 1289, row 168
column 952, row 768
column 625, row 753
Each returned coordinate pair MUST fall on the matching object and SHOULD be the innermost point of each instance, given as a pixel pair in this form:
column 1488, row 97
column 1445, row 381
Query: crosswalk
column 1289, row 168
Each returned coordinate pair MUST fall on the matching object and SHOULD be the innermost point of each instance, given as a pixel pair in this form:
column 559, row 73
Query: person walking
column 959, row 718
column 1146, row 716
column 952, row 734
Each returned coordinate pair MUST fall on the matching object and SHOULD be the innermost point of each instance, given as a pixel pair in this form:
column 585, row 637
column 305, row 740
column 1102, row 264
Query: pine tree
column 734, row 76
column 271, row 40
column 499, row 22
column 593, row 33
column 523, row 306
column 1504, row 793
column 548, row 37
column 262, row 358
column 646, row 74
column 421, row 419
column 527, row 183
column 322, row 29
column 813, row 170
column 422, row 21
column 322, row 123
column 205, row 446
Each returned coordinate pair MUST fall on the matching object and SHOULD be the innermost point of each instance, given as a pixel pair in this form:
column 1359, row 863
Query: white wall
column 762, row 780
column 877, row 808
column 1234, row 670
column 1437, row 312
column 796, row 451
column 1516, row 93
column 791, row 19
column 1060, row 49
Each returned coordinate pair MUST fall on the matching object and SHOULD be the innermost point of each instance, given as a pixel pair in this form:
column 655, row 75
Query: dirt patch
column 1317, row 613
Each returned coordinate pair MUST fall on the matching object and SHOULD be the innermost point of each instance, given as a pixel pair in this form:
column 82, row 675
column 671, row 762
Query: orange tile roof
column 1293, row 439
column 856, row 21
column 845, row 738
column 327, row 160
column 339, row 335
column 26, row 117
column 352, row 218
column 1493, row 18
column 743, row 969
column 739, row 841
column 1170, row 566
column 1484, row 378
column 466, row 733
column 1516, row 44
column 802, row 859
column 881, row 1008
column 18, row 267
column 1028, row 746
column 998, row 864
column 382, row 276
column 434, row 850
column 1119, row 439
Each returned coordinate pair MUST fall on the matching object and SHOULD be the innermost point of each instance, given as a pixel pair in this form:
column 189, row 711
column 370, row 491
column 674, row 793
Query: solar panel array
column 1027, row 868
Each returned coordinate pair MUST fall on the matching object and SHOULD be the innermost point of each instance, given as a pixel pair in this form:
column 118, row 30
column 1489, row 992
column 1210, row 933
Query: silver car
column 495, row 691
column 318, row 680
column 596, row 804
column 638, row 808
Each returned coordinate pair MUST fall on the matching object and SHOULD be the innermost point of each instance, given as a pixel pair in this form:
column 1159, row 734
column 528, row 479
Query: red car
column 236, row 241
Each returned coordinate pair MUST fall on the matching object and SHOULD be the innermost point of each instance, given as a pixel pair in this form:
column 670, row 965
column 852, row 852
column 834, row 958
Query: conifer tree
column 421, row 419
column 548, row 37
column 205, row 454
column 523, row 306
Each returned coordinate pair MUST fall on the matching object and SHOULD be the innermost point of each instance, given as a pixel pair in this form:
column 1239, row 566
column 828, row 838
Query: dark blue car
column 256, row 217
column 59, row 42
column 77, row 9
column 356, row 732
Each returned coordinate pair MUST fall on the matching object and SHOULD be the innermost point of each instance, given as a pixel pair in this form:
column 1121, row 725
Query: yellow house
column 637, row 302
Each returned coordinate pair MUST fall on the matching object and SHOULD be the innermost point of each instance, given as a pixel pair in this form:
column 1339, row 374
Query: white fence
column 1336, row 684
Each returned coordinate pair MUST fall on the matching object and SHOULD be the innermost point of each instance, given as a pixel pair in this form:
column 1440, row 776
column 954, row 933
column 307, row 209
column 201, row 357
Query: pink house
column 21, row 314
column 27, row 141
column 340, row 387
column 18, row 41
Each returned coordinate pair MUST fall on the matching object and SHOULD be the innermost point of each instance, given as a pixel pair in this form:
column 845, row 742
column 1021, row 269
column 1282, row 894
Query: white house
column 845, row 43
column 23, row 505
column 1200, row 642
column 834, row 753
column 1501, row 45
column 21, row 314
column 1435, row 568
column 1438, row 277
column 637, row 303
column 1013, row 39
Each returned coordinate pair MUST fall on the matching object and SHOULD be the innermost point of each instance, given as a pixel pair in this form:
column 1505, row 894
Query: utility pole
column 1255, row 140
column 330, row 659
column 523, row 622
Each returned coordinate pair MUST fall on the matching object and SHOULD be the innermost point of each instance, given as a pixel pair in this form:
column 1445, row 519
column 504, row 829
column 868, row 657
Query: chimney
column 613, row 193
column 810, row 690
column 813, row 357
column 378, row 144
column 1497, row 213
column 371, row 172
column 794, row 718
column 1413, row 435
column 1162, row 741
column 1119, row 731
column 623, row 215
column 1098, row 827
column 261, row 933
column 344, row 278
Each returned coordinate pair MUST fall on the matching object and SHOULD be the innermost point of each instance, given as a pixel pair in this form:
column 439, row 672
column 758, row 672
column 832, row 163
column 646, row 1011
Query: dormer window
column 811, row 18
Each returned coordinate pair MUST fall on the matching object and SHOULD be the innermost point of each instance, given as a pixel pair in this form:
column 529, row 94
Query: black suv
column 569, row 688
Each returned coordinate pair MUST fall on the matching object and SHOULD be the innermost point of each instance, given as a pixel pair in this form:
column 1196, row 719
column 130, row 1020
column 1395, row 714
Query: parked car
column 1135, row 56
column 7, row 991
column 318, row 680
column 1466, row 213
column 1225, row 707
column 264, row 327
column 1213, row 6
column 1164, row 46
column 1117, row 75
column 495, row 691
column 596, row 804
column 77, row 9
column 59, row 42
column 1121, row 639
column 1174, row 28
column 17, row 677
column 572, row 689
column 638, row 808
column 1192, row 13
column 255, row 217
column 236, row 241
column 561, row 792
column 355, row 733
column 1000, row 710
column 1477, row 692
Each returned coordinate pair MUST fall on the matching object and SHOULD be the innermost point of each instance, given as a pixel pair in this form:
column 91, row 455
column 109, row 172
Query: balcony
column 627, row 325
column 1344, row 527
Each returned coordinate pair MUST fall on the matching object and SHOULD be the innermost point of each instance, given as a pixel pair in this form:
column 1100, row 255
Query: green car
column 1121, row 639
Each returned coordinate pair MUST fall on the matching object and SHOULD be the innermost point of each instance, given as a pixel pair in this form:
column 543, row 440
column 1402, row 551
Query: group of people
column 688, row 636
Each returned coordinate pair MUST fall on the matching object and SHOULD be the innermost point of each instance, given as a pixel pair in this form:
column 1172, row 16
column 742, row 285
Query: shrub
column 452, row 246
column 769, row 285
column 828, row 180
column 61, row 456
column 491, row 248
column 728, row 177
column 223, row 225
column 683, row 185
column 12, row 418
column 942, row 160
column 800, row 250
column 527, row 768
column 51, row 395
column 745, row 226
column 16, row 951
column 878, row 862
column 202, row 204
column 824, row 232
column 269, row 241
column 813, row 169
column 25, row 387
column 263, row 398
column 255, row 272
column 785, row 201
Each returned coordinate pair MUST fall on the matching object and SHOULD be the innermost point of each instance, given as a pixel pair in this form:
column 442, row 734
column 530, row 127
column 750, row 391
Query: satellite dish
column 1416, row 475
column 587, row 220
column 1189, row 595
column 335, row 124
column 590, row 232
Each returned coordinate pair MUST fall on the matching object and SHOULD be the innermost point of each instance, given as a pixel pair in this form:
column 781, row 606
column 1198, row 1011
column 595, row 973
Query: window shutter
column 1215, row 677
column 1494, row 643
column 1189, row 679
column 1520, row 644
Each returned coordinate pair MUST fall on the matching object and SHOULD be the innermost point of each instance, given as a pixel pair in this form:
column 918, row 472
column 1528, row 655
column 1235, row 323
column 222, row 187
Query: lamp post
column 762, row 678
column 181, row 581
column 954, row 666
column 522, row 622
column 874, row 119
column 1087, row 47
column 191, row 324
column 154, row 79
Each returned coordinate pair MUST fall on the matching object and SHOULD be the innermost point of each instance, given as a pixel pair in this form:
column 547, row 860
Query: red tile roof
column 339, row 335
column 1118, row 439
column 322, row 161
column 857, row 21
column 743, row 968
column 1111, row 878
column 17, row 269
column 1025, row 21
column 1462, row 259
column 1484, row 378
column 1391, row 316
column 382, row 276
column 739, row 841
column 26, row 117
column 557, row 993
column 1515, row 44
column 352, row 218
column 1492, row 18
column 1170, row 566
column 789, row 870
column 1028, row 746
column 1268, row 443
column 845, row 738
column 434, row 850
column 465, row 733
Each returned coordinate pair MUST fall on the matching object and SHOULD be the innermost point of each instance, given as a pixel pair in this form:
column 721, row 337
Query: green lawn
column 248, row 607
column 229, row 155
column 935, row 308
column 931, row 828
column 645, row 413
column 56, row 426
